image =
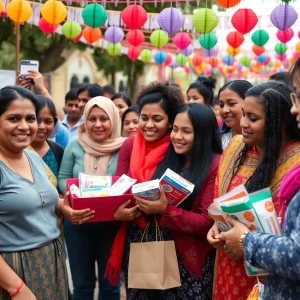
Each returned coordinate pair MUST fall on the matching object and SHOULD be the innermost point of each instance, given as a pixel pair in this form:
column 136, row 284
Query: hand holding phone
column 26, row 66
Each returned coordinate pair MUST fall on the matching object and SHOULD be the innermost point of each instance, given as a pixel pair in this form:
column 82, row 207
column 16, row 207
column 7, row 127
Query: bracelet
column 17, row 291
column 44, row 92
column 241, row 240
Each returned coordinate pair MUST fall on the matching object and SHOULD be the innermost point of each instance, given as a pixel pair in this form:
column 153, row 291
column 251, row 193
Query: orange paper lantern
column 298, row 47
column 213, row 61
column 258, row 50
column 1, row 6
column 233, row 51
column 19, row 10
column 91, row 35
column 54, row 12
column 228, row 3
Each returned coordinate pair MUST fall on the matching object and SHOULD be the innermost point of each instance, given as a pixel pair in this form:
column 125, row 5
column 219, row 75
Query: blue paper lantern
column 262, row 58
column 228, row 60
column 160, row 57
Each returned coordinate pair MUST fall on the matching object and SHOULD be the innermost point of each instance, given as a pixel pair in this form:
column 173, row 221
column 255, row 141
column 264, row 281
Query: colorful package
column 95, row 192
column 121, row 186
column 149, row 190
column 218, row 216
column 90, row 181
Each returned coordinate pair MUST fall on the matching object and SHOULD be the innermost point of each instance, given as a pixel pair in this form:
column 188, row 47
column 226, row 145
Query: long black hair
column 207, row 144
column 275, row 97
column 238, row 86
column 43, row 102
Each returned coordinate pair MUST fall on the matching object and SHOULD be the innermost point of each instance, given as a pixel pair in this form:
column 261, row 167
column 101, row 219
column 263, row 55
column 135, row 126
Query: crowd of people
column 244, row 135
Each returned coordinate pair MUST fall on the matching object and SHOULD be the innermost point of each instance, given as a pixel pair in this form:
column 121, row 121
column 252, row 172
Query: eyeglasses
column 295, row 99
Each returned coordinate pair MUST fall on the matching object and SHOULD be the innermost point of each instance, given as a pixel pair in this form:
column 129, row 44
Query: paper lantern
column 205, row 20
column 280, row 48
column 71, row 29
column 233, row 51
column 159, row 38
column 160, row 57
column 170, row 20
column 114, row 49
column 134, row 53
column 299, row 34
column 285, row 36
column 182, row 40
column 228, row 60
column 244, row 20
column 54, row 12
column 46, row 27
column 1, row 6
column 260, row 37
column 114, row 34
column 197, row 60
column 181, row 59
column 235, row 39
column 94, row 15
column 245, row 61
column 210, row 52
column 228, row 3
column 91, row 34
column 281, row 57
column 77, row 38
column 19, row 10
column 208, row 41
column 187, row 51
column 135, row 37
column 261, row 58
column 283, row 16
column 146, row 55
column 213, row 61
column 258, row 50
column 134, row 16
column 298, row 47
column 168, row 60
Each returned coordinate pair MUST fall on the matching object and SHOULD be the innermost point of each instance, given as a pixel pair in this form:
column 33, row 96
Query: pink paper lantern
column 286, row 35
column 182, row 40
column 46, row 27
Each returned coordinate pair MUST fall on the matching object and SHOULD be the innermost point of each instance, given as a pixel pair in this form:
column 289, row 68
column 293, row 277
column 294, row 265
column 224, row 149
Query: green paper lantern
column 260, row 37
column 181, row 59
column 114, row 49
column 94, row 15
column 280, row 48
column 205, row 20
column 146, row 56
column 245, row 61
column 71, row 29
column 159, row 38
column 208, row 41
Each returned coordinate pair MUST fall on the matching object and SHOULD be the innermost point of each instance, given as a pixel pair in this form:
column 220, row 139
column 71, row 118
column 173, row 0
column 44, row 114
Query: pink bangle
column 17, row 291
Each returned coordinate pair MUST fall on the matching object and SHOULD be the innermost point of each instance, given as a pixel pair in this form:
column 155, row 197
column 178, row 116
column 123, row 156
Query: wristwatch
column 241, row 240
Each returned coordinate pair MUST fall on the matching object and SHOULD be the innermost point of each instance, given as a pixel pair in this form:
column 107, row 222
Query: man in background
column 109, row 91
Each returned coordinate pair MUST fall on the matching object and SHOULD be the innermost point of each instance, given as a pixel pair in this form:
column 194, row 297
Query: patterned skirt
column 191, row 289
column 43, row 270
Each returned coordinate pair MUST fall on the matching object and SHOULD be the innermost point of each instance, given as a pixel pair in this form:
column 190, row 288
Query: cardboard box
column 149, row 190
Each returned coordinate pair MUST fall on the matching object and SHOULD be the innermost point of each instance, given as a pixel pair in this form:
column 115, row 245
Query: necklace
column 28, row 181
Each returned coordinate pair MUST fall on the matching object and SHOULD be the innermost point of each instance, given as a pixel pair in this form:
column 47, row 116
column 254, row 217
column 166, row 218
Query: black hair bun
column 209, row 82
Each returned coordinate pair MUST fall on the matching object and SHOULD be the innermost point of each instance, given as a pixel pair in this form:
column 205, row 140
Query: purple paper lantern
column 210, row 52
column 114, row 34
column 283, row 16
column 170, row 20
column 174, row 64
column 187, row 51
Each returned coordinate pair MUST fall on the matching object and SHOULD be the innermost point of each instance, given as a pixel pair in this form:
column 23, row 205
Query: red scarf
column 145, row 158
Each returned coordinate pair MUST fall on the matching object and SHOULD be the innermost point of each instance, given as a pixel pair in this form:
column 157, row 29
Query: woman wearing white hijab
column 95, row 151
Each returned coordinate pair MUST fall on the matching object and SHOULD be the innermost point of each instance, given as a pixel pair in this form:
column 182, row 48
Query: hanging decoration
column 134, row 53
column 233, row 51
column 160, row 57
column 228, row 60
column 258, row 50
column 298, row 47
column 114, row 34
column 134, row 16
column 46, row 27
column 91, row 35
column 244, row 20
column 170, row 20
column 114, row 49
column 94, row 15
column 169, row 60
column 205, row 20
column 210, row 52
column 77, row 38
column 182, row 40
column 262, row 58
column 71, row 29
column 159, row 38
column 245, row 61
column 260, row 37
column 208, row 41
column 213, row 61
column 54, row 12
column 19, row 10
column 280, row 48
column 197, row 60
column 281, row 57
column 187, row 51
column 146, row 55
column 285, row 36
column 1, row 6
column 228, row 3
column 181, row 59
column 135, row 37
column 283, row 16
column 235, row 39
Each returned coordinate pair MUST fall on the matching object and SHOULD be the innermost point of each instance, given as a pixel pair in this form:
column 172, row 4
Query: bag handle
column 157, row 230
column 145, row 233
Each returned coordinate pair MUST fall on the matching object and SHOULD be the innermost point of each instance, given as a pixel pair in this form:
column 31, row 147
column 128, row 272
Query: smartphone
column 26, row 65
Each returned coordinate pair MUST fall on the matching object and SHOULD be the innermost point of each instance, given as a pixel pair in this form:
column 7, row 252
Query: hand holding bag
column 153, row 265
